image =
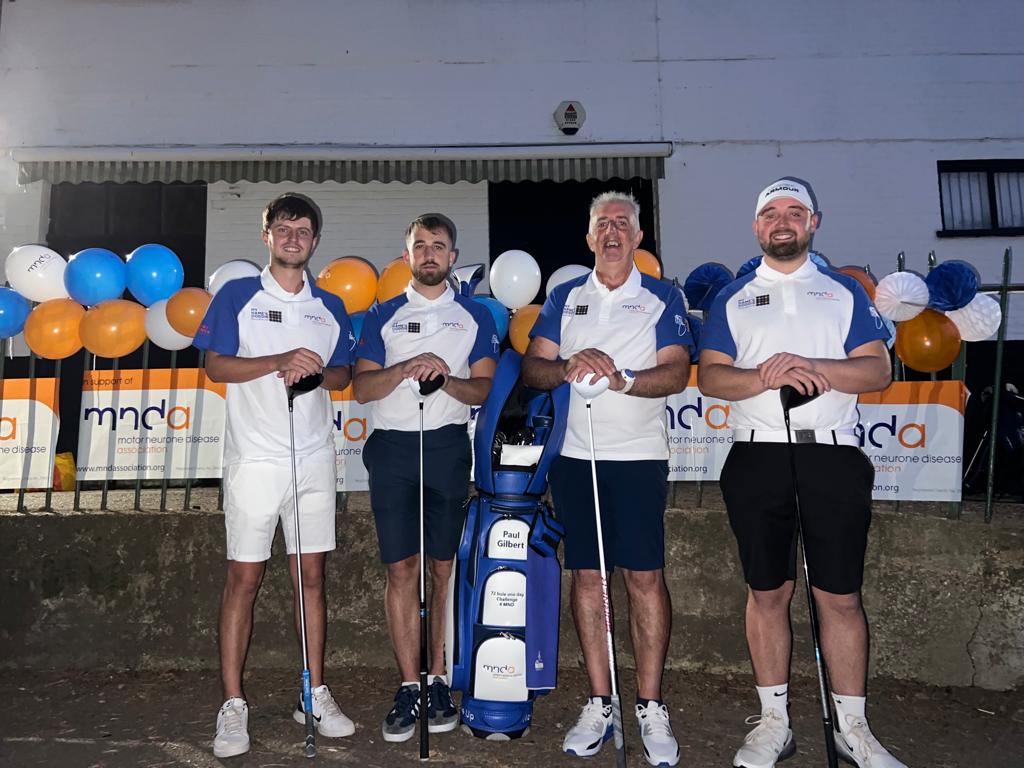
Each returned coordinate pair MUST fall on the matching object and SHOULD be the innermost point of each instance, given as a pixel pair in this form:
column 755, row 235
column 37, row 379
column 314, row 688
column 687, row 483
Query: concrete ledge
column 141, row 589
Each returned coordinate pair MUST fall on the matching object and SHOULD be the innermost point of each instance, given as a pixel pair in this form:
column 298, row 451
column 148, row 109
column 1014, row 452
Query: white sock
column 848, row 705
column 319, row 689
column 414, row 683
column 775, row 697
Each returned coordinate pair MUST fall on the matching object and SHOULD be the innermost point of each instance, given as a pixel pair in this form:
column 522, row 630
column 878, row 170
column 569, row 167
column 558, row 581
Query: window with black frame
column 981, row 198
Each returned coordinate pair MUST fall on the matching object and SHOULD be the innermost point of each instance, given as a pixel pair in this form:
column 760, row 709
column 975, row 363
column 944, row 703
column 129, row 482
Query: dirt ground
column 107, row 719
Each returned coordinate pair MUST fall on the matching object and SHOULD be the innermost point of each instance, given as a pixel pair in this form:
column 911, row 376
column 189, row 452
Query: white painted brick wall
column 366, row 220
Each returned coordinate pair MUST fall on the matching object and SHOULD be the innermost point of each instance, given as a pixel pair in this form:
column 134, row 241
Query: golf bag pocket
column 545, row 533
column 507, row 539
column 503, row 602
column 500, row 669
column 544, row 583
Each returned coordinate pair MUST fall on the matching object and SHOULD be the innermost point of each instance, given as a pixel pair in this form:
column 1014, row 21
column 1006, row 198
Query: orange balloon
column 862, row 276
column 114, row 328
column 647, row 263
column 393, row 280
column 51, row 330
column 186, row 309
column 352, row 280
column 520, row 326
column 928, row 342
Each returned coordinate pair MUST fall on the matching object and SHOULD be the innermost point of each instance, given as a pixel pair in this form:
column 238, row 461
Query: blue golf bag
column 505, row 588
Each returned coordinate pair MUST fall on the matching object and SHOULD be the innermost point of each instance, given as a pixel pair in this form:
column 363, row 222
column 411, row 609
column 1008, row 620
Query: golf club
column 793, row 398
column 305, row 384
column 422, row 389
column 588, row 389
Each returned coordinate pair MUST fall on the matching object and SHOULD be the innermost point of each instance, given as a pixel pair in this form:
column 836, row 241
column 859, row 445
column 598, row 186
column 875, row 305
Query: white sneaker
column 592, row 730
column 859, row 747
column 328, row 718
column 769, row 743
column 660, row 745
column 232, row 729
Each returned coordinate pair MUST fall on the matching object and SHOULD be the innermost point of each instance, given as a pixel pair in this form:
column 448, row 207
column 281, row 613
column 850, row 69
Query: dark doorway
column 120, row 217
column 548, row 219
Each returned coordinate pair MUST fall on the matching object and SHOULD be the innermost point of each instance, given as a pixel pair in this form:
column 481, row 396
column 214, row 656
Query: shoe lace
column 654, row 720
column 439, row 697
column 231, row 719
column 407, row 702
column 770, row 729
column 594, row 716
column 326, row 703
column 864, row 742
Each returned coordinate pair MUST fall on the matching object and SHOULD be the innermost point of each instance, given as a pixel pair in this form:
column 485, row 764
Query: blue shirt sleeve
column 716, row 334
column 672, row 327
column 371, row 343
column 219, row 330
column 486, row 343
column 865, row 324
column 344, row 349
column 548, row 324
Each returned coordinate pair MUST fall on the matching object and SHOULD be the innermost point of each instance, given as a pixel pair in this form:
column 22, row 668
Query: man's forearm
column 727, row 382
column 471, row 391
column 337, row 377
column 661, row 380
column 539, row 373
column 376, row 384
column 854, row 375
column 228, row 369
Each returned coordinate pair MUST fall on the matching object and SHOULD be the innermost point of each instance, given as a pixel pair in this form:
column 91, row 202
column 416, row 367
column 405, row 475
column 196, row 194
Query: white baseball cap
column 786, row 188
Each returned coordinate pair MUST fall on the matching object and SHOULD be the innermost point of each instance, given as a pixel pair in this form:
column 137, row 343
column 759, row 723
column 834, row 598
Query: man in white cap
column 793, row 322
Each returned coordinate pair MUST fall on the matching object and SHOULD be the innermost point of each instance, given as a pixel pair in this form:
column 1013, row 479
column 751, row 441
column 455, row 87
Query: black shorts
column 391, row 458
column 835, row 484
column 632, row 496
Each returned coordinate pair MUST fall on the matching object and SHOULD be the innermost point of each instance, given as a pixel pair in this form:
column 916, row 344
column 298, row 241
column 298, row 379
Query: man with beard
column 426, row 332
column 261, row 335
column 632, row 328
column 791, row 321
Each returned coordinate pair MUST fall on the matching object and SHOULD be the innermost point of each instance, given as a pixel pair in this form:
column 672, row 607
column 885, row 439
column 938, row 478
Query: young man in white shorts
column 261, row 335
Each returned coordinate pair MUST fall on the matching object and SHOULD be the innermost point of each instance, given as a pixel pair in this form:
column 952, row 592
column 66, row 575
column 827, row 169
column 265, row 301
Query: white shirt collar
column 417, row 299
column 271, row 286
column 805, row 270
column 629, row 288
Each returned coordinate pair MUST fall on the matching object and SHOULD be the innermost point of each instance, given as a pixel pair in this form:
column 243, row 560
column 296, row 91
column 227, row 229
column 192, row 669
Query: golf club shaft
column 620, row 743
column 424, row 625
column 307, row 694
column 826, row 708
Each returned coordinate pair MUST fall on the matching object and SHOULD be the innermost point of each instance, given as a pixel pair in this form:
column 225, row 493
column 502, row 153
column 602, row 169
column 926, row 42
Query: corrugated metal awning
column 405, row 165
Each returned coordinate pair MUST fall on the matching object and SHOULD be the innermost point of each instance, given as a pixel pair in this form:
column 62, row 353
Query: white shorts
column 259, row 494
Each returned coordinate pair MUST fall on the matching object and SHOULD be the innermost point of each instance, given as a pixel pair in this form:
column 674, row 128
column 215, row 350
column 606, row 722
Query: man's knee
column 771, row 600
column 243, row 579
column 404, row 573
column 840, row 606
column 440, row 570
column 587, row 582
column 643, row 582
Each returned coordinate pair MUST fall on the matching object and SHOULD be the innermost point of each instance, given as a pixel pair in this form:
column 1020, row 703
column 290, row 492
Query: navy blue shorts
column 632, row 496
column 391, row 458
column 835, row 483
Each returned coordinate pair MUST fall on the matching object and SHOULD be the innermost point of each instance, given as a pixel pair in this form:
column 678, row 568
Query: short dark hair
column 292, row 206
column 433, row 222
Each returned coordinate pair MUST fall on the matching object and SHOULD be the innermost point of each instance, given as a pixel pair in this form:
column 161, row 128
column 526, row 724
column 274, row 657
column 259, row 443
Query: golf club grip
column 830, row 744
column 310, row 748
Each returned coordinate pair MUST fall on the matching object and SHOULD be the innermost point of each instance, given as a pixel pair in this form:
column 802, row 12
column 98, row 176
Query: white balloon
column 564, row 275
column 979, row 319
column 591, row 386
column 901, row 296
column 37, row 273
column 159, row 330
column 515, row 279
column 228, row 271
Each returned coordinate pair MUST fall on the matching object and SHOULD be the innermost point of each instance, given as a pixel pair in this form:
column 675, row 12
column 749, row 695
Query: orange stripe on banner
column 150, row 378
column 41, row 390
column 693, row 376
column 342, row 395
column 949, row 393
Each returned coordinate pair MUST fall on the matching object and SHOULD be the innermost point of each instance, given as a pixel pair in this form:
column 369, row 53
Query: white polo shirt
column 253, row 317
column 629, row 324
column 813, row 312
column 455, row 328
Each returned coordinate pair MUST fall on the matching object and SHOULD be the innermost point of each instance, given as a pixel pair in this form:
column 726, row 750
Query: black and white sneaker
column 442, row 714
column 400, row 723
column 327, row 715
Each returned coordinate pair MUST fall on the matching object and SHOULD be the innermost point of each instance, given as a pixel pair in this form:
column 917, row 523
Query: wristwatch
column 630, row 378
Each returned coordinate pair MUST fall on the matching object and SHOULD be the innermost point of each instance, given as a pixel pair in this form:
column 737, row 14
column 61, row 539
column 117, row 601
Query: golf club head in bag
column 792, row 398
column 305, row 384
column 426, row 387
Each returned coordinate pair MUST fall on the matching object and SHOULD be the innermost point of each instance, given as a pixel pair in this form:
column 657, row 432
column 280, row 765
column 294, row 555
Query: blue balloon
column 704, row 283
column 951, row 285
column 498, row 311
column 14, row 309
column 357, row 324
column 95, row 275
column 154, row 273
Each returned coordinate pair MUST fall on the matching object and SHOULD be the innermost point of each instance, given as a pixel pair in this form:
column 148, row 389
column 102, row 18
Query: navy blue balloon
column 704, row 283
column 498, row 311
column 14, row 309
column 154, row 273
column 748, row 266
column 951, row 285
column 95, row 275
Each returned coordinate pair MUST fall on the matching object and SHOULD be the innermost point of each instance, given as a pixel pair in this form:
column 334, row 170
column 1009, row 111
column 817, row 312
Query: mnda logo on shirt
column 409, row 327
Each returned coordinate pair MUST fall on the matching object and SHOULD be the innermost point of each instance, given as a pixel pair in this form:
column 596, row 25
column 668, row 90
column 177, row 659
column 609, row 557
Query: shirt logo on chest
column 757, row 301
column 271, row 315
column 410, row 327
column 580, row 309
column 635, row 309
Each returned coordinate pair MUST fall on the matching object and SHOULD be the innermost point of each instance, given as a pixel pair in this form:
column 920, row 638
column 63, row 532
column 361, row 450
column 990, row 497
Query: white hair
column 616, row 197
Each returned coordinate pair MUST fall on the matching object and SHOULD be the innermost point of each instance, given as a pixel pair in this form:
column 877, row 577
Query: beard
column 431, row 279
column 788, row 250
